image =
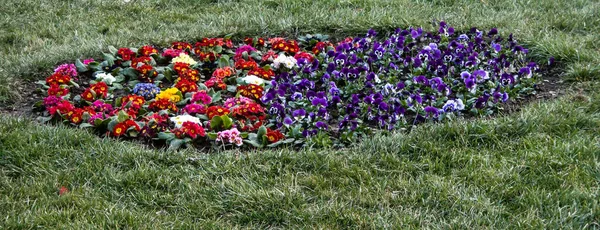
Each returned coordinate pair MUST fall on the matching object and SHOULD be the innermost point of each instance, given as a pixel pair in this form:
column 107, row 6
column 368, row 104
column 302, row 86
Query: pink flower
column 51, row 101
column 93, row 118
column 235, row 101
column 100, row 106
column 66, row 69
column 202, row 97
column 230, row 136
column 88, row 61
column 172, row 53
column 194, row 109
column 245, row 48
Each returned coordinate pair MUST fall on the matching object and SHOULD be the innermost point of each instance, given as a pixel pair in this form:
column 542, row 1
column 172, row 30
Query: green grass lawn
column 536, row 168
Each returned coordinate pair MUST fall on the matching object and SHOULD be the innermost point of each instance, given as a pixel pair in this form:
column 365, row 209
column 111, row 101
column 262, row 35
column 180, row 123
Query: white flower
column 459, row 104
column 288, row 62
column 179, row 120
column 252, row 79
column 105, row 77
column 184, row 58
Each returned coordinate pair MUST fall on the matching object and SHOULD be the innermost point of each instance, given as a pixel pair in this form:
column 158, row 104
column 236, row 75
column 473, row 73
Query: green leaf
column 218, row 49
column 80, row 66
column 227, row 122
column 202, row 117
column 166, row 136
column 122, row 116
column 112, row 124
column 223, row 61
column 253, row 143
column 109, row 58
column 231, row 88
column 216, row 122
column 216, row 97
column 44, row 119
column 113, row 50
column 175, row 144
column 262, row 131
column 97, row 122
column 131, row 73
column 212, row 136
column 74, row 84
column 85, row 125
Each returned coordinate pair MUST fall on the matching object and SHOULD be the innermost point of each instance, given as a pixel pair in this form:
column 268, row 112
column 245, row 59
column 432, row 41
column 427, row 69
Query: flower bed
column 267, row 92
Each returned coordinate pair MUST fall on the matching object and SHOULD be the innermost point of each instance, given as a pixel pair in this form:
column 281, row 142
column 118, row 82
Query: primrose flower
column 202, row 97
column 88, row 61
column 172, row 94
column 172, row 53
column 231, row 136
column 179, row 120
column 184, row 58
column 287, row 62
column 66, row 69
column 252, row 79
column 146, row 90
column 106, row 78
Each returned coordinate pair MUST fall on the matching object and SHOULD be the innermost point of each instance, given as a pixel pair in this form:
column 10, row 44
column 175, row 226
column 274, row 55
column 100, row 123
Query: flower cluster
column 265, row 92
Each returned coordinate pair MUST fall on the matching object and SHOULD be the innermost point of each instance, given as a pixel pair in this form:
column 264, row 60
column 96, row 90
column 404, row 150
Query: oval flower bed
column 267, row 92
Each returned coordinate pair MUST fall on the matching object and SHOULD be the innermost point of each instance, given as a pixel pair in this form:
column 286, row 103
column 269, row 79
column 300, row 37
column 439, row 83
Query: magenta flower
column 66, row 69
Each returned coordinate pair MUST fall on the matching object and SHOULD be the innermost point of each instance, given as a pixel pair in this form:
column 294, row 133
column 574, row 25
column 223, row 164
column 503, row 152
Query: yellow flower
column 184, row 58
column 172, row 94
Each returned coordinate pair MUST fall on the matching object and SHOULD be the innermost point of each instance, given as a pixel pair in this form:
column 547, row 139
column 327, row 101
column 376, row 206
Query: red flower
column 192, row 129
column 304, row 55
column 287, row 46
column 320, row 46
column 181, row 67
column 216, row 111
column 122, row 127
column 135, row 100
column 251, row 91
column 58, row 79
column 274, row 135
column 260, row 42
column 248, row 110
column 100, row 88
column 64, row 107
column 147, row 72
column 162, row 104
column 88, row 95
column 181, row 46
column 143, row 60
column 216, row 83
column 206, row 56
column 57, row 90
column 249, row 41
column 126, row 54
column 243, row 64
column 76, row 116
column 119, row 129
column 185, row 86
column 147, row 51
column 262, row 73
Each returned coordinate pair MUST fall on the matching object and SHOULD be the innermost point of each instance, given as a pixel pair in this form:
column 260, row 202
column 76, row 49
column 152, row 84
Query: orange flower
column 224, row 72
